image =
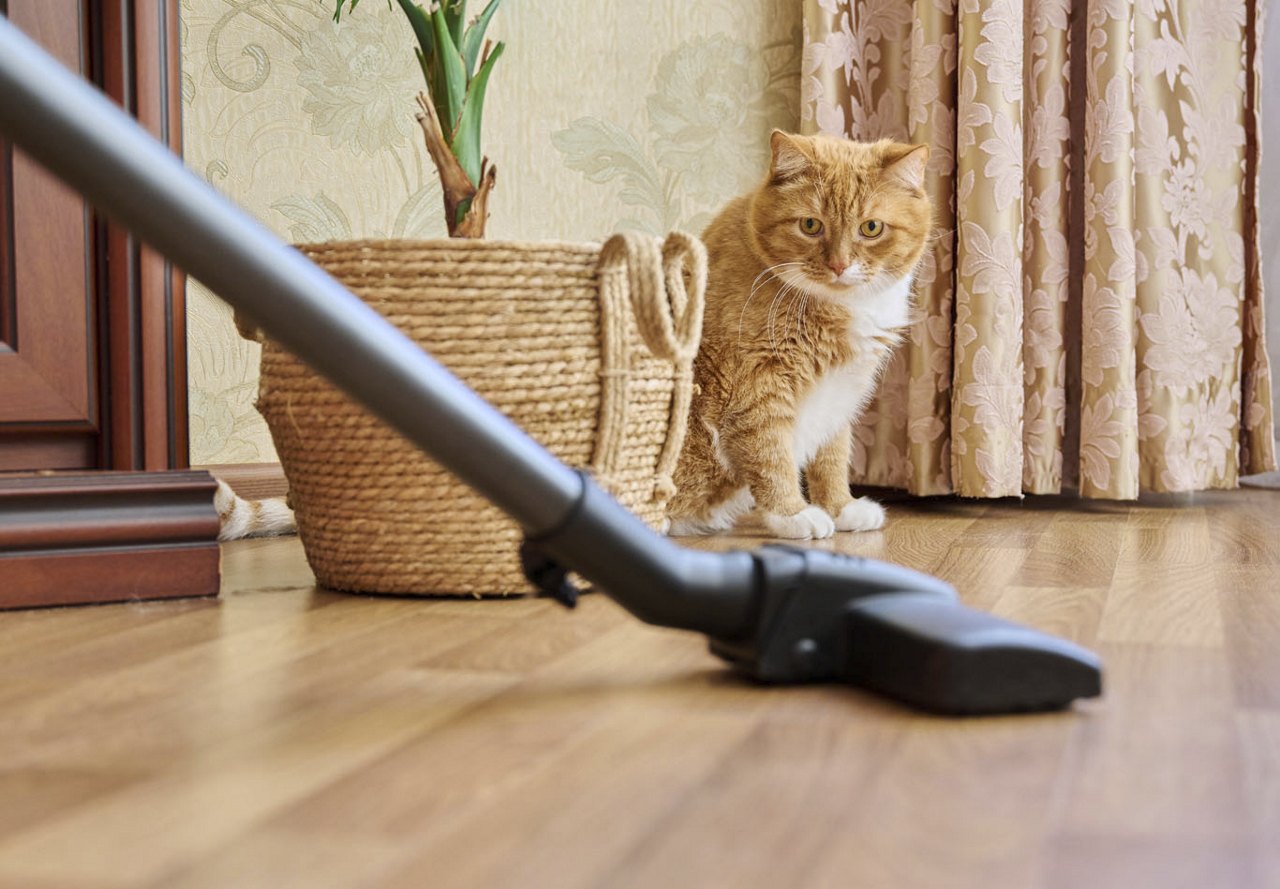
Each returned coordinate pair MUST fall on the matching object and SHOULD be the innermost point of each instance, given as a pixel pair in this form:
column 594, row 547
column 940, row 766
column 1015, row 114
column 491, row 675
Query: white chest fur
column 839, row 396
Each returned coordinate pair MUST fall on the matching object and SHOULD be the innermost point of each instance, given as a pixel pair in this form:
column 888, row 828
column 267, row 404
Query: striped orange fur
column 808, row 294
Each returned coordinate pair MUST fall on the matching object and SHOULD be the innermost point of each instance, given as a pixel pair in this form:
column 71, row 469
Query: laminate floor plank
column 286, row 736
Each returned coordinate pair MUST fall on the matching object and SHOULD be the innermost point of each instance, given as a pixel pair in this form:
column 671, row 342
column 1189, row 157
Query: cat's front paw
column 810, row 523
column 863, row 514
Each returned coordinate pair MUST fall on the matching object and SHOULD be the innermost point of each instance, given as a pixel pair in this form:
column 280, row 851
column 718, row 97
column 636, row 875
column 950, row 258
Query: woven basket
column 589, row 348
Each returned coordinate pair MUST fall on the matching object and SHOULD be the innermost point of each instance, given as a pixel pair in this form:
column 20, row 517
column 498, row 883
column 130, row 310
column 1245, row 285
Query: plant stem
column 466, row 207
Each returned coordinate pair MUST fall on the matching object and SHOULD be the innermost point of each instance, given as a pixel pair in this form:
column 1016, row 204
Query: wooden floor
column 289, row 737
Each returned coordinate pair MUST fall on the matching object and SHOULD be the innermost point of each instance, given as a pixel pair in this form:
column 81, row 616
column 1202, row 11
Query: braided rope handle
column 247, row 329
column 665, row 283
column 669, row 317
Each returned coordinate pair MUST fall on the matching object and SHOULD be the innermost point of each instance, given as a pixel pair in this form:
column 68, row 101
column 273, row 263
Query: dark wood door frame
column 130, row 524
column 145, row 368
column 133, row 413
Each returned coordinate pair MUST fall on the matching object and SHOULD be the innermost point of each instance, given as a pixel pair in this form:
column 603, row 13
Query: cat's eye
column 811, row 226
column 871, row 228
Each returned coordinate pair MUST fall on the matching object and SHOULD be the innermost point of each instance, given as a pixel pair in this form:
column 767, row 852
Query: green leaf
column 466, row 143
column 425, row 66
column 351, row 7
column 420, row 23
column 474, row 38
column 455, row 14
column 449, row 86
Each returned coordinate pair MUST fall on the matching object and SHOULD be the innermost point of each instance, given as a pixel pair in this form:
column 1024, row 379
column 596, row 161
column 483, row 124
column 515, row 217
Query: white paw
column 863, row 514
column 809, row 523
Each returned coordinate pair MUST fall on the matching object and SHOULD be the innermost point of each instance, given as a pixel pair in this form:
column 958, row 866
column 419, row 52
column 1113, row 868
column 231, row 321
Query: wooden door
column 49, row 406
column 93, row 352
column 92, row 327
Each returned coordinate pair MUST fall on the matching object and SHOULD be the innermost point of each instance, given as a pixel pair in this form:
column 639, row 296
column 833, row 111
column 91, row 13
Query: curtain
column 1090, row 310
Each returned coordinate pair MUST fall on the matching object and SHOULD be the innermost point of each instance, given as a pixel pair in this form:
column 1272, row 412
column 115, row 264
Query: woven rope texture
column 589, row 348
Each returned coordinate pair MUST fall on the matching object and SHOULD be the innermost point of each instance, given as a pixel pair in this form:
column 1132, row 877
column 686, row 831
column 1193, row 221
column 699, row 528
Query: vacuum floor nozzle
column 947, row 658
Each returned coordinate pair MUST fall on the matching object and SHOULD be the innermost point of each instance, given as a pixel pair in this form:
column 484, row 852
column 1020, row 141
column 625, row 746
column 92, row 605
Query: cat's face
column 837, row 217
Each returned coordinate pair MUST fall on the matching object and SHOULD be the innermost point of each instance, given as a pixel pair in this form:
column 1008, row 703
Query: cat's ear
column 789, row 158
column 907, row 164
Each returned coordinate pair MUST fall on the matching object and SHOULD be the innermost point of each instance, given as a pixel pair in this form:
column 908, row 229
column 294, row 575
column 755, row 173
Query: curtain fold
column 1090, row 308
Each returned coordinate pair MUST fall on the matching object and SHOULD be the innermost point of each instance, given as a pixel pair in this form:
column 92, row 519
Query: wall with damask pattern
column 1269, row 177
column 601, row 115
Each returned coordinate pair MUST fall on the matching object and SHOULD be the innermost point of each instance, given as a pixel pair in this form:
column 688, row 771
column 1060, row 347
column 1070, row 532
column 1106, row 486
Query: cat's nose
column 838, row 266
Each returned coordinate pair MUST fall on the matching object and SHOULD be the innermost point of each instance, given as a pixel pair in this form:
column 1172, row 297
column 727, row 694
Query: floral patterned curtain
column 1091, row 307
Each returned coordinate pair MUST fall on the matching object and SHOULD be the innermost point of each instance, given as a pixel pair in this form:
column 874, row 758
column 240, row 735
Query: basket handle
column 665, row 283
column 247, row 329
column 668, row 311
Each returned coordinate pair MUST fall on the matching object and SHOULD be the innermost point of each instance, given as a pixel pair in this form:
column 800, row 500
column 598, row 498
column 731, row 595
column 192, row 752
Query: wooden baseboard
column 68, row 539
column 252, row 481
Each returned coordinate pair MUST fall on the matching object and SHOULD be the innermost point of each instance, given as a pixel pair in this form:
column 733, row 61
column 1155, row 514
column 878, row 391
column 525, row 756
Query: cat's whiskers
column 793, row 297
column 779, row 301
column 790, row 289
column 778, row 294
column 803, row 316
column 755, row 286
column 817, row 288
column 823, row 378
column 801, row 301
column 773, row 306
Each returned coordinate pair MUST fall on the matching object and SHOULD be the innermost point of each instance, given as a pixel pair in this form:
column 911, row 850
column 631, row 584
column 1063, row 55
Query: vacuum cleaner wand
column 780, row 614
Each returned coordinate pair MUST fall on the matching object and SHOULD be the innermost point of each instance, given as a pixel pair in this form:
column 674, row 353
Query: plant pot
column 588, row 347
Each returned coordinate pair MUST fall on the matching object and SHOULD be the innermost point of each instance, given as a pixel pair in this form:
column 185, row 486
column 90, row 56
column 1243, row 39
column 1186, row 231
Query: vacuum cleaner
column 780, row 614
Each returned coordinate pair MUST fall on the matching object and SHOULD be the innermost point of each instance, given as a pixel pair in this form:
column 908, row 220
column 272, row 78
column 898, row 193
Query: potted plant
column 589, row 347
column 456, row 61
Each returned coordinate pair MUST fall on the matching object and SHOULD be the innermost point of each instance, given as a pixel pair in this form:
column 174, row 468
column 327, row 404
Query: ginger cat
column 808, row 293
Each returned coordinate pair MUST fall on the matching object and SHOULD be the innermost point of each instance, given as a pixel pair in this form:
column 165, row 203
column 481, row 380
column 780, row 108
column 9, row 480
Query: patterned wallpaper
column 600, row 116
column 1269, row 176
